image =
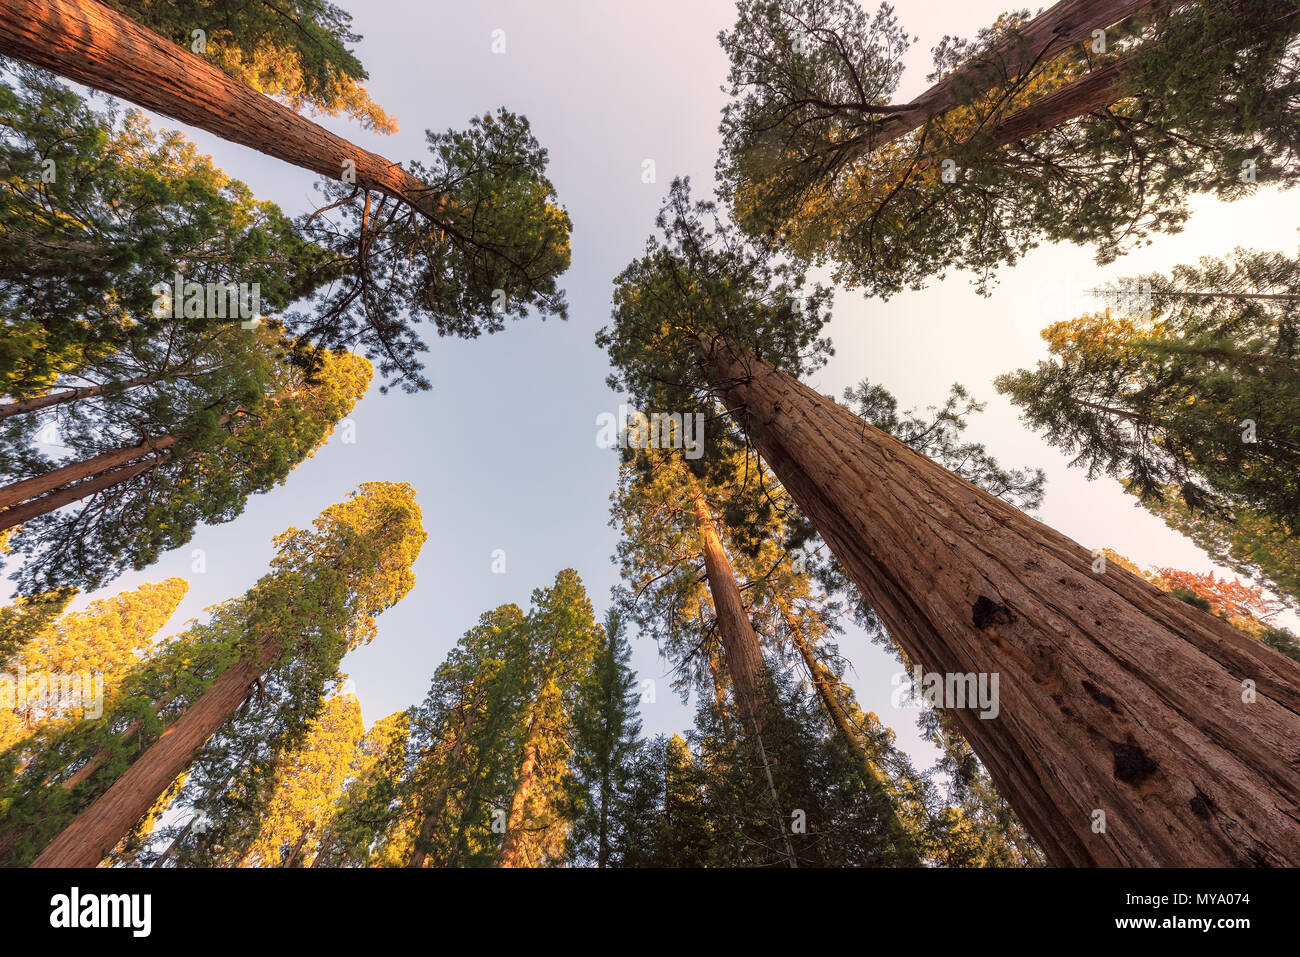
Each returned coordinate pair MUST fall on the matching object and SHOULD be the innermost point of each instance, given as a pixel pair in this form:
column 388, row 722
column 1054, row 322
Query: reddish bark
column 86, row 41
column 1113, row 696
column 100, row 827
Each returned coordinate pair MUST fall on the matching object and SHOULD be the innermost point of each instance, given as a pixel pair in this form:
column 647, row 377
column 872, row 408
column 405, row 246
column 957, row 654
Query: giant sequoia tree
column 482, row 212
column 277, row 648
column 969, row 584
column 1035, row 131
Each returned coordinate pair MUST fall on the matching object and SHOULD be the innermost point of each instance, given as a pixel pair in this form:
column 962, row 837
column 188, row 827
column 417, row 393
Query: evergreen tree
column 1245, row 541
column 234, row 692
column 190, row 454
column 1025, row 138
column 948, row 568
column 308, row 781
column 86, row 654
column 1201, row 392
column 363, row 812
column 606, row 739
column 98, row 210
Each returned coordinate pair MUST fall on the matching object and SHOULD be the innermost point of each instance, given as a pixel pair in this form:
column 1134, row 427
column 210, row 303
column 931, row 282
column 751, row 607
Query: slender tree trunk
column 749, row 676
column 433, row 814
column 51, row 399
column 96, row 465
column 99, row 828
column 1113, row 697
column 93, row 44
column 19, row 514
column 827, row 687
column 750, row 679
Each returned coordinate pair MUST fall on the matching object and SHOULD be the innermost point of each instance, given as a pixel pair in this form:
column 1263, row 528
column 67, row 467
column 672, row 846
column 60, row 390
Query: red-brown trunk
column 1114, row 697
column 99, row 828
column 745, row 664
column 86, row 41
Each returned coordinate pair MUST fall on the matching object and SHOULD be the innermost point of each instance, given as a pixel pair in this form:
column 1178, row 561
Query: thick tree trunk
column 745, row 664
column 1113, row 697
column 86, row 41
column 1048, row 35
column 99, row 828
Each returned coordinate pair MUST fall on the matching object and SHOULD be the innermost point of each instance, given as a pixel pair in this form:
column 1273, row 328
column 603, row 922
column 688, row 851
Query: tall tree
column 187, row 454
column 1200, row 392
column 563, row 641
column 968, row 584
column 363, row 811
column 1029, row 135
column 86, row 654
column 484, row 203
column 607, row 729
column 326, row 586
column 308, row 781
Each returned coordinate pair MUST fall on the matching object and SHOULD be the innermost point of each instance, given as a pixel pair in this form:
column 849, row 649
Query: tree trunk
column 86, row 41
column 19, row 514
column 99, row 828
column 51, row 399
column 513, row 853
column 1113, row 696
column 1091, row 92
column 1046, row 36
column 745, row 664
column 96, row 465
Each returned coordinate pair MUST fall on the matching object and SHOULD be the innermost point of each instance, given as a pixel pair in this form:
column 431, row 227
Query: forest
column 183, row 360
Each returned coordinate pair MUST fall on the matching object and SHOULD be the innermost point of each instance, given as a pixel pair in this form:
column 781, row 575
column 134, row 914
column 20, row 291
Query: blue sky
column 503, row 450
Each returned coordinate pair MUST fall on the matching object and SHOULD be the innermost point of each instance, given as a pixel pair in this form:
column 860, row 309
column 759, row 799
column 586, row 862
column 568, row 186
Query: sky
column 502, row 451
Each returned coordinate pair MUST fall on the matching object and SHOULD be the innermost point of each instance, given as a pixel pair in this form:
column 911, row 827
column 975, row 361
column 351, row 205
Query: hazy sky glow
column 503, row 451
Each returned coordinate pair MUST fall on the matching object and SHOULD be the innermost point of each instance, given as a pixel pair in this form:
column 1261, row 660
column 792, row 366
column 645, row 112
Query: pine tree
column 363, row 811
column 308, row 781
column 1200, row 392
column 287, row 634
column 606, row 738
column 81, row 651
column 98, row 211
column 191, row 456
column 1245, row 541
